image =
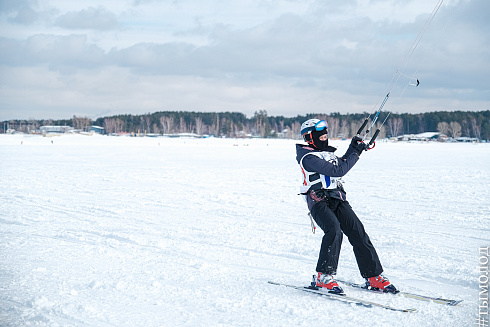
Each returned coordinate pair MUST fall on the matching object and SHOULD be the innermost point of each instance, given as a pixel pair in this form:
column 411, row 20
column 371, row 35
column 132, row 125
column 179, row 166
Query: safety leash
column 313, row 227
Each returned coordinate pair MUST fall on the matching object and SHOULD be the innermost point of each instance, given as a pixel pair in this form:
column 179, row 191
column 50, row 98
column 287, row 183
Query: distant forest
column 235, row 124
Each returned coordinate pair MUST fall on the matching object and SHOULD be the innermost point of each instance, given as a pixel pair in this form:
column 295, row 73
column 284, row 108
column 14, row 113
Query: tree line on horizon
column 234, row 124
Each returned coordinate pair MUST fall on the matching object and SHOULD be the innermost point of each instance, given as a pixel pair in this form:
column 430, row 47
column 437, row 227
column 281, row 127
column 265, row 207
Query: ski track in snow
column 107, row 231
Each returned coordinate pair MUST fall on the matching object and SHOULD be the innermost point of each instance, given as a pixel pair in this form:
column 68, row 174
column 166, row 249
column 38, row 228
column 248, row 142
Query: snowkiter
column 324, row 193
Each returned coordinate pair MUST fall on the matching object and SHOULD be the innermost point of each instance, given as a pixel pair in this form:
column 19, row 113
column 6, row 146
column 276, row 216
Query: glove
column 355, row 141
column 361, row 146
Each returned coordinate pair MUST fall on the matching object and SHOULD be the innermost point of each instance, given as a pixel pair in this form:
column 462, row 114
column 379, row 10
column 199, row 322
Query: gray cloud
column 90, row 18
column 19, row 12
column 56, row 51
column 26, row 15
column 331, row 59
column 7, row 6
column 309, row 51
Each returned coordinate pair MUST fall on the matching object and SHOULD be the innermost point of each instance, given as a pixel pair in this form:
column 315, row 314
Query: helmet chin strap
column 310, row 141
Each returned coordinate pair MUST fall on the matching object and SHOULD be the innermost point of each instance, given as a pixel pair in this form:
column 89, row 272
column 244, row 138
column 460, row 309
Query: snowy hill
column 106, row 231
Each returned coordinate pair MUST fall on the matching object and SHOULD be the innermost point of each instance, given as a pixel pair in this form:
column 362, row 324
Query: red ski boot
column 327, row 281
column 380, row 283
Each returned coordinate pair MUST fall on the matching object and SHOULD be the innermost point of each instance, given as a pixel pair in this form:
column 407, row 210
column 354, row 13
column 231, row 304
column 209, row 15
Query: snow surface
column 108, row 231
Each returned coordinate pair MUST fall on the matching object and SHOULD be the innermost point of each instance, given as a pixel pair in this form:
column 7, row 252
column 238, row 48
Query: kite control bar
column 371, row 143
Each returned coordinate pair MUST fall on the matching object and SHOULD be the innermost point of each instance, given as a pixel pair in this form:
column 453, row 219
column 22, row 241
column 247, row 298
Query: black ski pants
column 336, row 217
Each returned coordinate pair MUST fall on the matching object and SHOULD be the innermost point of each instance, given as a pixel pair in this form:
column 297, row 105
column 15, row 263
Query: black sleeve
column 349, row 151
column 337, row 168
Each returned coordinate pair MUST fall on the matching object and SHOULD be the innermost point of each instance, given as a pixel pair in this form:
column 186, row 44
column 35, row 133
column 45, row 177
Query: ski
column 405, row 294
column 343, row 298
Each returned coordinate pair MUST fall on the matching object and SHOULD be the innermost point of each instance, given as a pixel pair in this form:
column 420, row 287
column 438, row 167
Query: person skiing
column 324, row 193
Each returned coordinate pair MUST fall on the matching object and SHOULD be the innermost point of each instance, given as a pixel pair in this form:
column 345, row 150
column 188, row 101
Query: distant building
column 184, row 135
column 97, row 129
column 422, row 137
column 55, row 129
column 467, row 139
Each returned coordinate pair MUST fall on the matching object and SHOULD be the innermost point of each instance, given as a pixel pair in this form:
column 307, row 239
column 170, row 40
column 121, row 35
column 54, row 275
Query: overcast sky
column 89, row 58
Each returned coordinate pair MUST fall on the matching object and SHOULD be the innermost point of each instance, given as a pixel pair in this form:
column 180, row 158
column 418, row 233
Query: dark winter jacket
column 332, row 168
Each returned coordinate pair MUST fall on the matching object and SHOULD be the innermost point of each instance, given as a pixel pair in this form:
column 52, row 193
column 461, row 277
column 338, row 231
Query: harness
column 313, row 181
column 317, row 185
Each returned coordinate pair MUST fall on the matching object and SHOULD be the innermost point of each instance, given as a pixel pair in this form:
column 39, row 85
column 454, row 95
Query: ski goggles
column 318, row 126
column 321, row 125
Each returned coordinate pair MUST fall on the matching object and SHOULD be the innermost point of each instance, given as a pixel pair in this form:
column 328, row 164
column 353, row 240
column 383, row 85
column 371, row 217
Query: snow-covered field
column 108, row 231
